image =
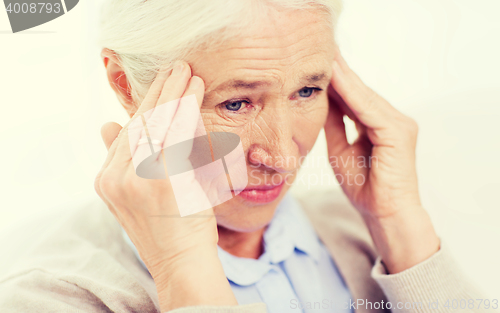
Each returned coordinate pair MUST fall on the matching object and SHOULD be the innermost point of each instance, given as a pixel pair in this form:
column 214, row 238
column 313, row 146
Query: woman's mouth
column 261, row 193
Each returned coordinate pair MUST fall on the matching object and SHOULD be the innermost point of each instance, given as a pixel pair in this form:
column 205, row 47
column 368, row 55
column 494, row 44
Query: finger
column 156, row 122
column 187, row 121
column 338, row 146
column 109, row 132
column 167, row 103
column 334, row 128
column 155, row 90
column 176, row 83
column 196, row 87
column 366, row 105
column 132, row 130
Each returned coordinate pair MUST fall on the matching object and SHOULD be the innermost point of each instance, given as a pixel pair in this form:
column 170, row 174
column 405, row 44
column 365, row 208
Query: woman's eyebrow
column 234, row 84
column 242, row 84
column 317, row 77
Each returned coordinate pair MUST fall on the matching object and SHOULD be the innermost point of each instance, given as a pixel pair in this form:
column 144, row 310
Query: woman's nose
column 273, row 144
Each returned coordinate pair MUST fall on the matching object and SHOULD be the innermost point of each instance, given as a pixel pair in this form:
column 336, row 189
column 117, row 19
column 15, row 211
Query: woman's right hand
column 179, row 252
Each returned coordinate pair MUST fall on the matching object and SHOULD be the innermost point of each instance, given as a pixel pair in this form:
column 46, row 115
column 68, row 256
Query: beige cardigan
column 79, row 262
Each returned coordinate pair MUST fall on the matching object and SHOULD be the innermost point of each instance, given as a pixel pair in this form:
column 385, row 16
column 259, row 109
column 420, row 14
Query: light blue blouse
column 294, row 274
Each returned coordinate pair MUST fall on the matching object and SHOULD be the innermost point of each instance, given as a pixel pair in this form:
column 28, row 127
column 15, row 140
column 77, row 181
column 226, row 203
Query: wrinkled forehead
column 288, row 47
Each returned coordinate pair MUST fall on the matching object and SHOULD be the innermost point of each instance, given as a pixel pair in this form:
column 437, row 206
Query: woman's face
column 268, row 87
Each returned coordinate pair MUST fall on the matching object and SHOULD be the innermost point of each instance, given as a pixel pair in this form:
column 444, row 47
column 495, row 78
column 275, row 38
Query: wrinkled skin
column 308, row 86
column 276, row 123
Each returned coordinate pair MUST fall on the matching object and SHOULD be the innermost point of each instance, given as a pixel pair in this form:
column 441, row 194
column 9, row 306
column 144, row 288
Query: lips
column 262, row 193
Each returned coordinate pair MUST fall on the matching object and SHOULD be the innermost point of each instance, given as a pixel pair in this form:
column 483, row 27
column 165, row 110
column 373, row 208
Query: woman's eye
column 306, row 92
column 234, row 106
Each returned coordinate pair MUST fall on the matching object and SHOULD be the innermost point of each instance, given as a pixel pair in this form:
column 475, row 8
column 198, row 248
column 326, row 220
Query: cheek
column 309, row 123
column 215, row 123
column 305, row 124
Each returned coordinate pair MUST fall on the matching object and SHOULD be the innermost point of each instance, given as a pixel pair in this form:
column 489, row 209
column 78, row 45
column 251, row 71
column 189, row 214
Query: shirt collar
column 290, row 227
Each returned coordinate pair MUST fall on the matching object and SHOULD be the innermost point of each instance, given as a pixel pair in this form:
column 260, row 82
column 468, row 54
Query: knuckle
column 371, row 99
column 97, row 184
column 371, row 102
column 108, row 184
column 412, row 126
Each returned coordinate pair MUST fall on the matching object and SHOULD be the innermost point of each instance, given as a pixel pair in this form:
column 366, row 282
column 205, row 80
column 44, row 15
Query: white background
column 437, row 61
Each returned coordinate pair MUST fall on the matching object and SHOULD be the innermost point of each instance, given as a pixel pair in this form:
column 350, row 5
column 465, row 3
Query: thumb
column 109, row 132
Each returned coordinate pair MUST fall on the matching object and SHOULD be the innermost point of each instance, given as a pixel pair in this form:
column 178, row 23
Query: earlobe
column 118, row 80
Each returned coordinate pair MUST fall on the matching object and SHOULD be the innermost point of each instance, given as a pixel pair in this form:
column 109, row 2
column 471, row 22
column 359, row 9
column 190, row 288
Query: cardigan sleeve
column 435, row 285
column 247, row 308
column 39, row 291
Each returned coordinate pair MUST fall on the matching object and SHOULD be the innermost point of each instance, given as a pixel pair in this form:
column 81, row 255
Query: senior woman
column 270, row 72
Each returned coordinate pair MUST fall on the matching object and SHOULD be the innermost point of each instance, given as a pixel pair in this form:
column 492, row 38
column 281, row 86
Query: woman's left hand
column 377, row 172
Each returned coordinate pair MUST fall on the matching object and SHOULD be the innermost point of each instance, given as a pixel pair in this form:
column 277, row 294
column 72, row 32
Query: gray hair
column 144, row 34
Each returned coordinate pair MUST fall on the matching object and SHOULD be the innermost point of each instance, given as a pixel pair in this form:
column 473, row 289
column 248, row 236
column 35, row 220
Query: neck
column 241, row 244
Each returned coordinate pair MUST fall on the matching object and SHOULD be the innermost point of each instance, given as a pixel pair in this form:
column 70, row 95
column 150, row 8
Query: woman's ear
column 118, row 80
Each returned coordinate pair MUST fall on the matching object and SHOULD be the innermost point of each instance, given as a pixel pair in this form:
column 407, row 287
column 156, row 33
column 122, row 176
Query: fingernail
column 195, row 82
column 178, row 68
